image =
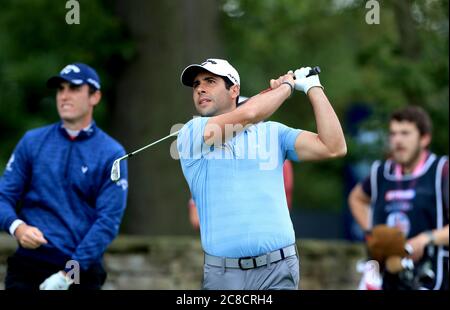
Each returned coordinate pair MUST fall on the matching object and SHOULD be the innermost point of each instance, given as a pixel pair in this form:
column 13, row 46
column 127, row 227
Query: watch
column 431, row 237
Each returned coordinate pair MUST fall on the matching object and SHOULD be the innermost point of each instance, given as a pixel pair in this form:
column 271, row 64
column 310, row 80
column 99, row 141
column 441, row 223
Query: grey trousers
column 282, row 275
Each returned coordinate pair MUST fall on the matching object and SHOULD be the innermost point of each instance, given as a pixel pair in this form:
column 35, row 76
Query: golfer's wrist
column 312, row 90
column 291, row 87
column 14, row 225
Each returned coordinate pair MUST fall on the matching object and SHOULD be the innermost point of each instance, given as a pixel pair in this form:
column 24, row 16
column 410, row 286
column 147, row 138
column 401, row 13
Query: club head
column 115, row 171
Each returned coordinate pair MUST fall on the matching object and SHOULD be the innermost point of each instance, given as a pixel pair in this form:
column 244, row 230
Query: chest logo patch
column 406, row 194
column 399, row 220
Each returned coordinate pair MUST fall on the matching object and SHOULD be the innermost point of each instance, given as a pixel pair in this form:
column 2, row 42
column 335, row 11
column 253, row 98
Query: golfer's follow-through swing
column 236, row 178
column 115, row 170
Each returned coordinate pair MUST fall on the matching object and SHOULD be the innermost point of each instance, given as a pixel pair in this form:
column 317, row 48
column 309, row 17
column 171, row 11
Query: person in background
column 56, row 196
column 409, row 191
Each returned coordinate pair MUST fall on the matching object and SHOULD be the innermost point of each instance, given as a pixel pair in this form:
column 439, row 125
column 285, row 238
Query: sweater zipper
column 69, row 154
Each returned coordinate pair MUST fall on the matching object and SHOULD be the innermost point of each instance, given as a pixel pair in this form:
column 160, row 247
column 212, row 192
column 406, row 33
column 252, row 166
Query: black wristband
column 290, row 85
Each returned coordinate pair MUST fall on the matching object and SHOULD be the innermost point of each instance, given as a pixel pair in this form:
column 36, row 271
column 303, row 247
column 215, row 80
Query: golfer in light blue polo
column 233, row 163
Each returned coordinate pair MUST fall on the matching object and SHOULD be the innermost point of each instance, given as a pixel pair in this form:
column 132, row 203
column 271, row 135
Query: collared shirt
column 238, row 187
column 75, row 133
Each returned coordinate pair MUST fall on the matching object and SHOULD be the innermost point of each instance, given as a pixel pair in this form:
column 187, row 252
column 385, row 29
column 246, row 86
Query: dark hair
column 416, row 115
column 227, row 81
column 92, row 89
column 228, row 85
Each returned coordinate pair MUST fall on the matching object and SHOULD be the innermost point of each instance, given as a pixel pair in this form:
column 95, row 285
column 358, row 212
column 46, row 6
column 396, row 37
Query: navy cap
column 76, row 73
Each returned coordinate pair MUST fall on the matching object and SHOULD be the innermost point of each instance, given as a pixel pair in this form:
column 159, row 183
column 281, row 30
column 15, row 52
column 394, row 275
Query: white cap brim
column 190, row 72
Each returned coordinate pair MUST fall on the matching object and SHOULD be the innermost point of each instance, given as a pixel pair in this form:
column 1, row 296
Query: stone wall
column 160, row 263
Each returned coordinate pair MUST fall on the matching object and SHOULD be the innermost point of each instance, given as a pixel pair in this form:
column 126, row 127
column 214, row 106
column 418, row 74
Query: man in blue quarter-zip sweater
column 56, row 196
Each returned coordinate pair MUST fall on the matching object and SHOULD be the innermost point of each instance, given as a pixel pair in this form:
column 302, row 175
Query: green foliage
column 36, row 43
column 360, row 63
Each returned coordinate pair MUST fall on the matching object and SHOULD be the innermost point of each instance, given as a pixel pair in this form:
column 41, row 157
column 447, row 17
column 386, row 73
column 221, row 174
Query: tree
column 403, row 60
column 150, row 100
column 35, row 43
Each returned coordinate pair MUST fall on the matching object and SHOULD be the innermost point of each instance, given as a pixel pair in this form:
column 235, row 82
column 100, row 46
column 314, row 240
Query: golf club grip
column 313, row 71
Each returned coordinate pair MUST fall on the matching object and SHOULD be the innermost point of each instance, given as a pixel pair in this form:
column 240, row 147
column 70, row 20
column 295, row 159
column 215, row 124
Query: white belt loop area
column 246, row 263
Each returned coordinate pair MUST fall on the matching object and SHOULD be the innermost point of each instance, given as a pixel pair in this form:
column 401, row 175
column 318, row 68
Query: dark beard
column 414, row 159
column 213, row 113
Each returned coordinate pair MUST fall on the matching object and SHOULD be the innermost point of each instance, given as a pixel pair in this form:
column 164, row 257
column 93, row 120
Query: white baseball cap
column 214, row 65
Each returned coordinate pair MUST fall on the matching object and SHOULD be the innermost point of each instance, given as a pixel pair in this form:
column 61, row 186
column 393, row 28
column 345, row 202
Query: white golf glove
column 57, row 281
column 304, row 83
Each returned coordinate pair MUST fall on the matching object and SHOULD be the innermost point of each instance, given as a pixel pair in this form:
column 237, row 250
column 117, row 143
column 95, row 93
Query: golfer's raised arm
column 329, row 141
column 256, row 109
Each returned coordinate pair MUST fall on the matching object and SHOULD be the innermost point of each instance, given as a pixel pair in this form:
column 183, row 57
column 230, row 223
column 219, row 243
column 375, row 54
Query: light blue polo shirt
column 238, row 187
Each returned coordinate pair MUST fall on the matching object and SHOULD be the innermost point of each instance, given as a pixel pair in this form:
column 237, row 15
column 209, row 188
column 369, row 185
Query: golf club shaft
column 149, row 145
column 312, row 71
